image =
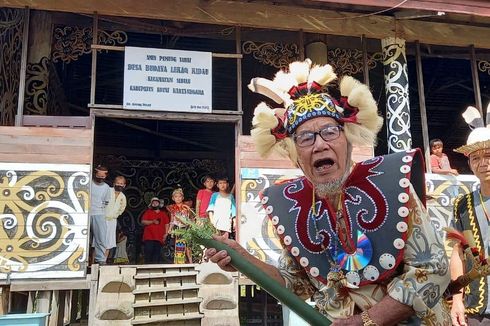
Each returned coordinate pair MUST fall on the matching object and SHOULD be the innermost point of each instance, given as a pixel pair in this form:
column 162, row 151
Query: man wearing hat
column 155, row 222
column 356, row 237
column 471, row 213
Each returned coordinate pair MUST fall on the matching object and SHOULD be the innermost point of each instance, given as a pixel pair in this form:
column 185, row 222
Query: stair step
column 152, row 289
column 165, row 266
column 156, row 319
column 164, row 275
column 170, row 302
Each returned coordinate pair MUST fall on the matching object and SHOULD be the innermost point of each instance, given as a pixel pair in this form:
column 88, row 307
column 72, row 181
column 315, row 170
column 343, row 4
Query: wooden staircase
column 166, row 295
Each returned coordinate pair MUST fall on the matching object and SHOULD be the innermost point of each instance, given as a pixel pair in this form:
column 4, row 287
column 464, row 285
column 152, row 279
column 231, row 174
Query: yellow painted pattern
column 43, row 223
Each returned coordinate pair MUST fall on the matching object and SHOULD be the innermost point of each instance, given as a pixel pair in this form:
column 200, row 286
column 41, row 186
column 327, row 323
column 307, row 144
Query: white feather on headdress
column 473, row 118
column 264, row 121
column 300, row 70
column 359, row 96
column 321, row 74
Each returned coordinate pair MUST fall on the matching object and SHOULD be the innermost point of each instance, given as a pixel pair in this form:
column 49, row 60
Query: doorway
column 156, row 156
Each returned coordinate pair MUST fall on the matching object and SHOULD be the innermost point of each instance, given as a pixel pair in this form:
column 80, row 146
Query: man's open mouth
column 323, row 164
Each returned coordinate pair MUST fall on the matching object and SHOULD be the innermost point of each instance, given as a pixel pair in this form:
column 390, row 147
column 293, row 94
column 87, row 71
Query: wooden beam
column 170, row 116
column 469, row 7
column 272, row 16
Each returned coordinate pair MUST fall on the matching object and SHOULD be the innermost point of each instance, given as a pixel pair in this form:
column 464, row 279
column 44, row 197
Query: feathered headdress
column 479, row 137
column 302, row 93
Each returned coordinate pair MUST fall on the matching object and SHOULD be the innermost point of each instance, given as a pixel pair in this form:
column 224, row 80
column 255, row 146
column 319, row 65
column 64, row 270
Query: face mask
column 155, row 207
column 99, row 180
column 118, row 188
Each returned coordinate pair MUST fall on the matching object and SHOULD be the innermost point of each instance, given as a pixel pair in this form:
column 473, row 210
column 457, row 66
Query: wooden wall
column 45, row 145
column 44, row 187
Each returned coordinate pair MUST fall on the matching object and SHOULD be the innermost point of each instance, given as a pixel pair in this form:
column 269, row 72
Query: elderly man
column 471, row 212
column 356, row 237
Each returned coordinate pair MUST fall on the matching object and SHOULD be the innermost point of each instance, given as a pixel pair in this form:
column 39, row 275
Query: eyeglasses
column 307, row 138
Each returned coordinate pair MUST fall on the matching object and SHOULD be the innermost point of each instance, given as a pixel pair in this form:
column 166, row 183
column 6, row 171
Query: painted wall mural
column 44, row 220
column 256, row 231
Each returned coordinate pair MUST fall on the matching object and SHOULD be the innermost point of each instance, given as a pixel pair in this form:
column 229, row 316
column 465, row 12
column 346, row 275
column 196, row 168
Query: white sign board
column 167, row 80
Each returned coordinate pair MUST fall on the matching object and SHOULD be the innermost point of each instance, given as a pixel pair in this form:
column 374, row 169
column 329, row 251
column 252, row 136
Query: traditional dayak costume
column 379, row 240
column 471, row 215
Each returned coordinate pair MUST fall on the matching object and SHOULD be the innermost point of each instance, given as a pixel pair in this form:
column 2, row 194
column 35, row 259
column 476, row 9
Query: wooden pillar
column 399, row 137
column 4, row 297
column 23, row 69
column 423, row 111
column 365, row 63
column 476, row 81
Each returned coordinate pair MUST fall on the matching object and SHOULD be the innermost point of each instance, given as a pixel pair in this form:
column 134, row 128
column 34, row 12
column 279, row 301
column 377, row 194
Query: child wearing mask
column 114, row 209
column 156, row 224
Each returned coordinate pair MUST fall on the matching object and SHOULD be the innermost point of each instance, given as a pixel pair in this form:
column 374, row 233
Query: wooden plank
column 166, row 302
column 269, row 15
column 74, row 158
column 56, row 121
column 47, row 285
column 55, row 309
column 170, row 116
column 164, row 275
column 470, row 7
column 4, row 297
column 31, row 297
column 144, row 321
column 94, row 278
column 45, row 131
column 61, row 150
column 43, row 301
column 166, row 289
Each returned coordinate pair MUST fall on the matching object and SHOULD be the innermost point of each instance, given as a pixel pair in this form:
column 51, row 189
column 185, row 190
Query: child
column 177, row 211
column 222, row 208
column 155, row 223
column 204, row 196
column 114, row 209
column 121, row 256
column 439, row 161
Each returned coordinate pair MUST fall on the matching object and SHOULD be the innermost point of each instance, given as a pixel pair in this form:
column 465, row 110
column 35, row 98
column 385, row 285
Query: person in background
column 204, row 196
column 121, row 255
column 439, row 162
column 156, row 224
column 471, row 214
column 114, row 209
column 178, row 211
column 222, row 208
column 100, row 195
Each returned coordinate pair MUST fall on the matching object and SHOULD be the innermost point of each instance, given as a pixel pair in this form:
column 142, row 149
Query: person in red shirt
column 204, row 196
column 155, row 222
